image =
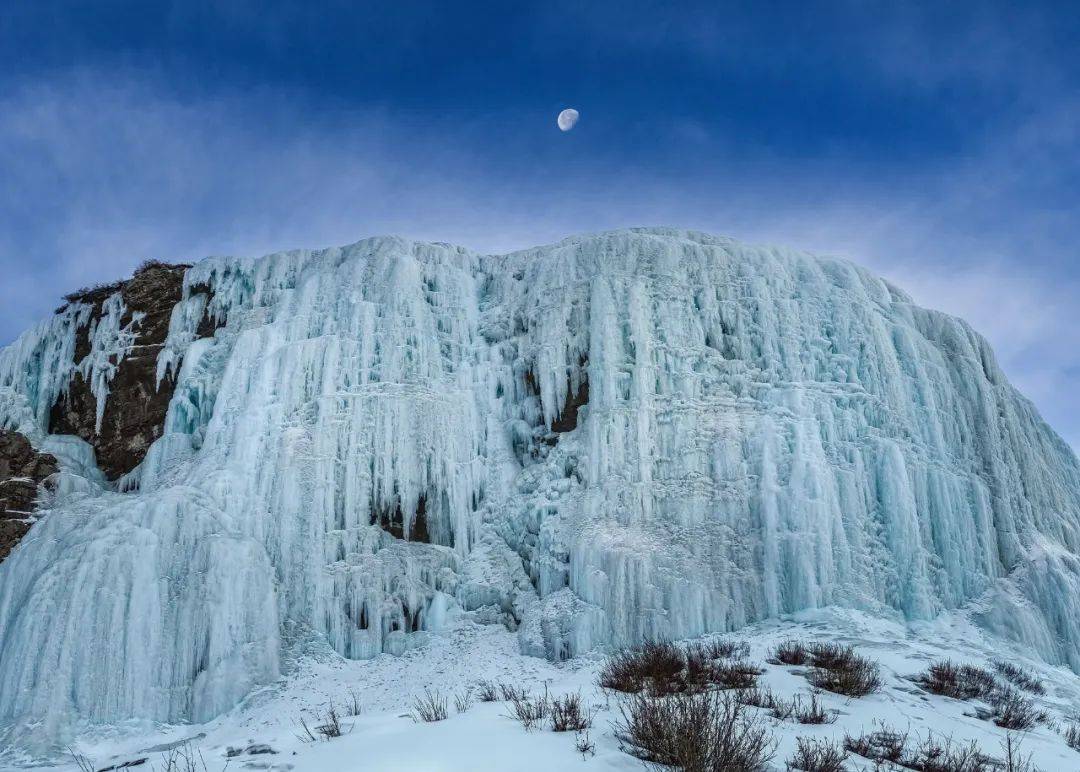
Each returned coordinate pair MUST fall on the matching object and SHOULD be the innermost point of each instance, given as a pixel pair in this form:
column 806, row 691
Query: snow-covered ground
column 385, row 736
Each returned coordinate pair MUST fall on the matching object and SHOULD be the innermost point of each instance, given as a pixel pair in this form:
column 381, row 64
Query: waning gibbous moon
column 567, row 119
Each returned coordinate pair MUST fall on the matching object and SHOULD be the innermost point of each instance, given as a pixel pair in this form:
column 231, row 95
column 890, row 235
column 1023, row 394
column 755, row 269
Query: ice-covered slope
column 645, row 432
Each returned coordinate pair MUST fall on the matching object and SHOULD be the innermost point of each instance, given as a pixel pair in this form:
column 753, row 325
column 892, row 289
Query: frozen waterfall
column 638, row 433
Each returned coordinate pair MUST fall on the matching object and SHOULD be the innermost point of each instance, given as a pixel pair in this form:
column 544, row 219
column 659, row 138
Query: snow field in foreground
column 385, row 738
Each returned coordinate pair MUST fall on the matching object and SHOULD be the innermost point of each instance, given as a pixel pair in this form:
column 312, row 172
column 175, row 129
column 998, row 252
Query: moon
column 567, row 119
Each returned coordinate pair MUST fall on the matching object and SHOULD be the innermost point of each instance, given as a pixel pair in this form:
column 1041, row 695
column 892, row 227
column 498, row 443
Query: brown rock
column 22, row 471
column 135, row 411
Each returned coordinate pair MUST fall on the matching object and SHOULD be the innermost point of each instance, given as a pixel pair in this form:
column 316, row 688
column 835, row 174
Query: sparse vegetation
column 790, row 652
column 569, row 715
column 935, row 753
column 817, row 756
column 1072, row 736
column 82, row 763
column 1013, row 710
column 811, row 712
column 430, row 708
column 486, row 691
column 700, row 731
column 961, row 682
column 531, row 712
column 583, row 745
column 840, row 670
column 511, row 693
column 463, row 700
column 1018, row 676
column 353, row 707
column 327, row 726
column 183, row 758
column 666, row 668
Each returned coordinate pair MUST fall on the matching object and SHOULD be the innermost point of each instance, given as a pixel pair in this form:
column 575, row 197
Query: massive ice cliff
column 637, row 433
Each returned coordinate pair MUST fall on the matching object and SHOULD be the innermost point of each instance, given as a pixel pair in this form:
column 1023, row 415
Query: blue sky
column 936, row 143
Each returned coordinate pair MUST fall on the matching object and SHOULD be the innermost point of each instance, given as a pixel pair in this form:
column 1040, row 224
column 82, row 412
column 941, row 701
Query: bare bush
column 1013, row 761
column 759, row 697
column 817, row 756
column 665, row 668
column 961, row 682
column 723, row 648
column 486, row 691
column 790, row 652
column 510, row 693
column 569, row 715
column 840, row 670
column 353, row 707
column 326, row 726
column 696, row 731
column 583, row 745
column 932, row 754
column 882, row 745
column 1018, row 676
column 811, row 712
column 82, row 763
column 430, row 708
column 1013, row 710
column 530, row 712
column 183, row 758
column 463, row 700
column 1072, row 736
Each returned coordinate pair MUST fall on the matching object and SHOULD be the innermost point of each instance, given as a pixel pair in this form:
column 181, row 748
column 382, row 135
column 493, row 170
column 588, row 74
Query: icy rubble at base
column 764, row 432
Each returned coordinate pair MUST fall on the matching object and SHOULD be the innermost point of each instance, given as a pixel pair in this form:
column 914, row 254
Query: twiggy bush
column 569, row 715
column 430, row 708
column 530, row 712
column 1013, row 710
column 811, row 712
column 790, row 652
column 695, row 732
column 326, row 726
column 486, row 691
column 510, row 693
column 1018, row 676
column 817, row 756
column 840, row 670
column 665, row 668
column 961, row 682
column 463, row 700
column 1072, row 736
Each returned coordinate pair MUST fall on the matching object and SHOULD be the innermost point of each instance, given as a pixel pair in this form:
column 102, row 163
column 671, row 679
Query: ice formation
column 638, row 433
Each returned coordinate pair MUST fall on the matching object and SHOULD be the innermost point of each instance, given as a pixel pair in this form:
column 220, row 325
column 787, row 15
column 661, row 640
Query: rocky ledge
column 23, row 471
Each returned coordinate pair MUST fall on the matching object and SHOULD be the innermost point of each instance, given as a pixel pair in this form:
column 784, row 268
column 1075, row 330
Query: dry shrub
column 429, row 708
column 961, row 682
column 1018, row 676
column 882, row 745
column 486, row 691
column 759, row 697
column 665, row 668
column 583, row 745
column 790, row 652
column 726, row 649
column 840, row 670
column 353, row 707
column 811, row 711
column 327, row 726
column 933, row 754
column 1072, row 736
column 1013, row 710
column 530, row 712
column 817, row 756
column 511, row 693
column 695, row 732
column 568, row 714
column 463, row 700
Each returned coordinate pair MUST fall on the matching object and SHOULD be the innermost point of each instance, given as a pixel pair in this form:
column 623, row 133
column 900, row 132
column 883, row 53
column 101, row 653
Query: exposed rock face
column 136, row 408
column 22, row 471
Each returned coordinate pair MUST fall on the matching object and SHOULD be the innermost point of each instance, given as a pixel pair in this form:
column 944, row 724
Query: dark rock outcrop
column 135, row 411
column 22, row 471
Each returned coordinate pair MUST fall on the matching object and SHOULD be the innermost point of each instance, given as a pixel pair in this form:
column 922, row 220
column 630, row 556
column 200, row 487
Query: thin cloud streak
column 102, row 172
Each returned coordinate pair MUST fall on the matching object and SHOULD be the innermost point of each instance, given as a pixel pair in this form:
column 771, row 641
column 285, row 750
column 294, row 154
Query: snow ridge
column 638, row 433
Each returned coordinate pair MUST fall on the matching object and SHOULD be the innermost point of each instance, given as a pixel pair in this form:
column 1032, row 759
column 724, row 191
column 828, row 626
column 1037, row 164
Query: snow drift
column 638, row 433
